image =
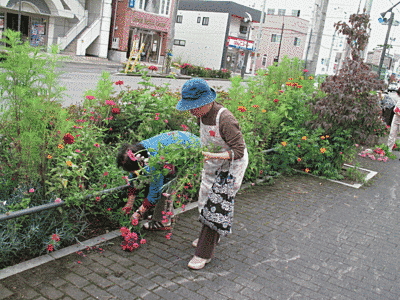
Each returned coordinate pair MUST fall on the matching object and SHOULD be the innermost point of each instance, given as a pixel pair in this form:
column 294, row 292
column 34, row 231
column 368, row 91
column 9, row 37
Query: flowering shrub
column 197, row 71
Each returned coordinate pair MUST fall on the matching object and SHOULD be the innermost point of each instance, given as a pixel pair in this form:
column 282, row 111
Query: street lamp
column 246, row 56
column 387, row 36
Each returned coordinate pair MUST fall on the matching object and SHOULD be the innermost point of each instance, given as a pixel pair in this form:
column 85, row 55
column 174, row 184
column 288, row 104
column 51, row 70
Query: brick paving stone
column 97, row 292
column 99, row 280
column 50, row 292
column 4, row 292
column 76, row 280
column 74, row 293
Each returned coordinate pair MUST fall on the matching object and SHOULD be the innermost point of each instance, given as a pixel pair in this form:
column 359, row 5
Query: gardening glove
column 221, row 155
column 128, row 206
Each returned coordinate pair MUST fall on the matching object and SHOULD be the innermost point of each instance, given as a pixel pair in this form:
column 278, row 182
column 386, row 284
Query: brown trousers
column 208, row 239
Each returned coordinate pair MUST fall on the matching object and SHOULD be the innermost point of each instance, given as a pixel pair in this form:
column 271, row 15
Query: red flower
column 105, row 173
column 135, row 222
column 55, row 237
column 90, row 97
column 212, row 133
column 116, row 111
column 276, row 100
column 153, row 68
column 50, row 247
column 119, row 82
column 69, row 138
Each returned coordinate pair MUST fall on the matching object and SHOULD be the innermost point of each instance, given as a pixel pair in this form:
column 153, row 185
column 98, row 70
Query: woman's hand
column 211, row 155
column 129, row 204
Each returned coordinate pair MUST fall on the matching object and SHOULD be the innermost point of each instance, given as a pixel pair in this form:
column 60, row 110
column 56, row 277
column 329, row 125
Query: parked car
column 392, row 87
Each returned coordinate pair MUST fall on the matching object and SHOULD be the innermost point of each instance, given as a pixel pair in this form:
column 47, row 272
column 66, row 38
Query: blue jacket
column 152, row 145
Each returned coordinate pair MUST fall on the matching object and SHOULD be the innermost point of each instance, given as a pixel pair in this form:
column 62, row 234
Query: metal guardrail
column 31, row 210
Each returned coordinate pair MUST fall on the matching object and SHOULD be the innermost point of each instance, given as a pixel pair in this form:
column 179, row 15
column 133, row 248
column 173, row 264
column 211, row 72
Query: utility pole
column 383, row 54
column 280, row 42
column 315, row 41
column 258, row 40
column 171, row 37
column 330, row 52
column 19, row 15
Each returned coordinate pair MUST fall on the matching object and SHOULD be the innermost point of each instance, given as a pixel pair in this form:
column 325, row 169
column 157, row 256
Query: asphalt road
column 79, row 78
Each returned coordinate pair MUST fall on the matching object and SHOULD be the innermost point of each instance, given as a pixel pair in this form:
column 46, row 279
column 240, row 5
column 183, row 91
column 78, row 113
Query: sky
column 337, row 11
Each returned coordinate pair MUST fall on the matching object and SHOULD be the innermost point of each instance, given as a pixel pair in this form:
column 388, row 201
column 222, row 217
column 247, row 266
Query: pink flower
column 135, row 222
column 110, row 102
column 143, row 241
column 166, row 121
column 105, row 173
column 96, row 145
column 58, row 200
column 55, row 237
column 116, row 111
column 124, row 231
column 157, row 114
column 156, row 118
column 31, row 190
column 98, row 198
column 305, row 70
column 276, row 100
column 185, row 127
column 78, row 151
column 119, row 82
column 90, row 97
column 50, row 247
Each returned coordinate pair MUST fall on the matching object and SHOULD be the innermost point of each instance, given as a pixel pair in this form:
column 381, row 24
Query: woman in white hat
column 220, row 132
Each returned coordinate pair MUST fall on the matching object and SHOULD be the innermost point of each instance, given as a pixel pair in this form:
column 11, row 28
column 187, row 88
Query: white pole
column 258, row 40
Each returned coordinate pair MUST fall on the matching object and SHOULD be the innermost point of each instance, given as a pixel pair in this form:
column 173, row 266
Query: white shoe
column 196, row 241
column 198, row 263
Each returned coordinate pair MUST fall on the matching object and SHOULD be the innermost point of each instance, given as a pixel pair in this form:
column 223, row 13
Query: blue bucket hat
column 195, row 93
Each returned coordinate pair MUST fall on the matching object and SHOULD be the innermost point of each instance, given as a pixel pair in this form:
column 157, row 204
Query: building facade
column 214, row 34
column 281, row 35
column 141, row 25
column 82, row 25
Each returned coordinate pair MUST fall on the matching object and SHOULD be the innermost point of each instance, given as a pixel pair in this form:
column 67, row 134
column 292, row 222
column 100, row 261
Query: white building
column 214, row 34
column 81, row 25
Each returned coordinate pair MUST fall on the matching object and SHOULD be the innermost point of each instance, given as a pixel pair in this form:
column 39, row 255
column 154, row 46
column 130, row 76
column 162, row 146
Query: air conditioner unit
column 115, row 43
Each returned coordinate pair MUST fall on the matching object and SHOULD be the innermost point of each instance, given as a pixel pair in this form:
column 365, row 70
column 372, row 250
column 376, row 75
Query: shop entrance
column 151, row 41
column 12, row 23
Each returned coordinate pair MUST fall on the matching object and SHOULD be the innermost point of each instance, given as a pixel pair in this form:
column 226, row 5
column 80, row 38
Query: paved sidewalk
column 301, row 238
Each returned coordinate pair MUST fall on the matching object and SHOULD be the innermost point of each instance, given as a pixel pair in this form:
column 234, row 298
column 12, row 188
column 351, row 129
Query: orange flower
column 307, row 170
column 242, row 108
column 60, row 146
column 69, row 163
column 322, row 150
column 264, row 110
column 304, row 138
column 49, row 156
column 283, row 144
column 299, row 159
column 322, row 137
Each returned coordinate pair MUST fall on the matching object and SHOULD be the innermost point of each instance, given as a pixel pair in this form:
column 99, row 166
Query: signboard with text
column 131, row 3
column 239, row 43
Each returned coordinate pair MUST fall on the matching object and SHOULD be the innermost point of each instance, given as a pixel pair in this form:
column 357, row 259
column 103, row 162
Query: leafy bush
column 350, row 102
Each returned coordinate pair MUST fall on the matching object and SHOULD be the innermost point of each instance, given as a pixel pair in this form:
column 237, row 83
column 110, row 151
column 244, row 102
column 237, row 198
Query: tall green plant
column 30, row 117
column 350, row 103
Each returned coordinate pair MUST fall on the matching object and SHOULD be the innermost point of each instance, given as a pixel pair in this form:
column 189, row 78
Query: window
column 179, row 42
column 322, row 61
column 271, row 11
column 205, row 20
column 296, row 13
column 179, row 18
column 161, row 7
column 281, row 12
column 198, row 19
column 264, row 60
column 296, row 41
column 243, row 29
column 276, row 38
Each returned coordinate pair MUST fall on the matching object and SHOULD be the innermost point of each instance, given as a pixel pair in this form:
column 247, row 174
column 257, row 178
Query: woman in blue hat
column 221, row 134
